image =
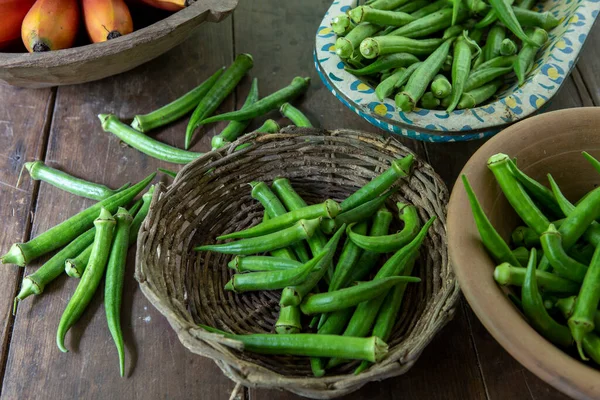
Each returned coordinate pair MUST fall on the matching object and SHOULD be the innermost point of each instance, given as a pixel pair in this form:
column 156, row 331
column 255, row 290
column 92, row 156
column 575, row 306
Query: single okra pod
column 480, row 77
column 262, row 263
column 506, row 15
column 374, row 47
column 563, row 264
column 497, row 62
column 217, row 93
column 298, row 86
column 295, row 115
column 539, row 192
column 420, row 79
column 80, row 187
column 581, row 321
column 390, row 243
column 379, row 17
column 301, row 230
column 505, row 274
column 113, row 287
column 176, row 109
column 499, row 164
column 400, row 168
column 312, row 345
column 490, row 238
column 386, row 87
column 356, row 214
column 235, row 128
column 545, row 20
column 425, row 26
column 351, row 296
column 92, row 275
column 383, row 63
column 272, row 280
column 494, row 42
column 327, row 209
column 65, row 232
column 387, row 4
column 524, row 61
column 144, row 143
column 461, row 67
column 533, row 307
column 346, row 262
column 477, row 96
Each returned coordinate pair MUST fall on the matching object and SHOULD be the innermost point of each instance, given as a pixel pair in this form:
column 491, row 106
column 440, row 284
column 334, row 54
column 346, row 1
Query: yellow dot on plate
column 332, row 49
column 552, row 73
column 362, row 86
column 511, row 102
column 561, row 44
column 380, row 109
column 574, row 19
column 324, row 31
column 539, row 102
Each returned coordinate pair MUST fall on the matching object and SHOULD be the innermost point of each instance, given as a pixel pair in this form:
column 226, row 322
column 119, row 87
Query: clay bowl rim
column 500, row 317
column 95, row 51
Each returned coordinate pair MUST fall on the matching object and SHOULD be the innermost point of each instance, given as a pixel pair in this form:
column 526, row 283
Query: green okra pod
column 262, row 263
column 80, row 187
column 176, row 109
column 390, row 243
column 113, row 286
column 301, row 230
column 272, row 280
column 308, row 344
column 343, row 298
column 327, row 209
column 506, row 274
column 217, row 93
column 345, row 46
column 295, row 115
column 396, row 60
column 92, row 275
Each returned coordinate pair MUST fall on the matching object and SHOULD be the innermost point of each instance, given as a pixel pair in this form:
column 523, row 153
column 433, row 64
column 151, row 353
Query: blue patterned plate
column 554, row 63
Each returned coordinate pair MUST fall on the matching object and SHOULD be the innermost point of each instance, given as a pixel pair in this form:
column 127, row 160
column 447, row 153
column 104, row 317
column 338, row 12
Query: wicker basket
column 187, row 287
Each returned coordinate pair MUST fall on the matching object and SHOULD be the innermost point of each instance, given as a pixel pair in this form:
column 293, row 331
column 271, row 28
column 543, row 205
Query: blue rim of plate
column 395, row 128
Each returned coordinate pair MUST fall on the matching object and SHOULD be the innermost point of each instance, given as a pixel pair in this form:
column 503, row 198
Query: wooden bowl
column 211, row 196
column 99, row 60
column 549, row 143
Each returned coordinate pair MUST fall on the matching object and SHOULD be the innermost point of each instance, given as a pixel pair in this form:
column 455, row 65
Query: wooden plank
column 159, row 366
column 445, row 370
column 24, row 125
column 589, row 63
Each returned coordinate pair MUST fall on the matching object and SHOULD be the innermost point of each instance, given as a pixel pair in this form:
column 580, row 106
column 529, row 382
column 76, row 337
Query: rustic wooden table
column 60, row 126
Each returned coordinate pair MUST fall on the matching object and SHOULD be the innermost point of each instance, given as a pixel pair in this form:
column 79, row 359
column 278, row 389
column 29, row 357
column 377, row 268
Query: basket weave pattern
column 211, row 196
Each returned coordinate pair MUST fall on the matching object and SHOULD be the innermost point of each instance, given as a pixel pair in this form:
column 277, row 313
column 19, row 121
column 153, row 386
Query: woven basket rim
column 221, row 350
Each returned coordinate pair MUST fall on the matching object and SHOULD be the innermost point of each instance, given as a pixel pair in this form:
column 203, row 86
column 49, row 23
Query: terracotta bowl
column 549, row 143
column 99, row 60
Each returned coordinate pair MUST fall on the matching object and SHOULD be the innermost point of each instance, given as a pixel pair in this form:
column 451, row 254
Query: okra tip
column 72, row 269
column 403, row 165
column 229, row 285
column 28, row 287
column 105, row 216
column 31, row 164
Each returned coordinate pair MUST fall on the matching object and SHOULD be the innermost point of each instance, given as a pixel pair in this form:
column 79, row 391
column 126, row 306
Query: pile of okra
column 91, row 245
column 445, row 54
column 202, row 102
column 344, row 305
column 555, row 259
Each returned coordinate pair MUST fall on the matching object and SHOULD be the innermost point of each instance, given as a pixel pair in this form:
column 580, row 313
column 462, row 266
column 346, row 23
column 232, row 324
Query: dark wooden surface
column 60, row 127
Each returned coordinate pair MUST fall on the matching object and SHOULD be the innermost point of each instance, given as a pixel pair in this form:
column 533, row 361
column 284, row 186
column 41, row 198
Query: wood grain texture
column 99, row 60
column 23, row 134
column 162, row 368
